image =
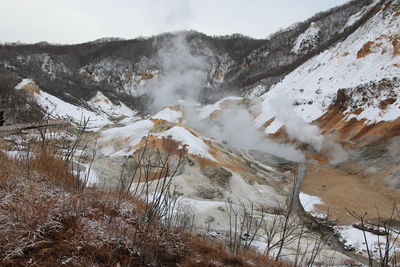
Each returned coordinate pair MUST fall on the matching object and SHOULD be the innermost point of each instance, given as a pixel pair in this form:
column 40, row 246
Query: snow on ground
column 60, row 109
column 169, row 115
column 195, row 144
column 308, row 202
column 129, row 120
column 274, row 127
column 357, row 16
column 312, row 87
column 23, row 83
column 104, row 105
column 205, row 111
column 307, row 40
column 354, row 238
column 121, row 141
column 372, row 111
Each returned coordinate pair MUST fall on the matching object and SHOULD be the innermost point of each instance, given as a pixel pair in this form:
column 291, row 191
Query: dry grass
column 47, row 220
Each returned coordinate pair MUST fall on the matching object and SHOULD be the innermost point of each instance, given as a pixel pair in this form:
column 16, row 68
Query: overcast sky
column 76, row 21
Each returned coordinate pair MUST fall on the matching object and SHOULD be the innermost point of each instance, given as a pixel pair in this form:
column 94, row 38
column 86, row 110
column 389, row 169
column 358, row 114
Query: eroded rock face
column 209, row 192
column 341, row 99
column 396, row 45
column 218, row 176
column 393, row 180
column 308, row 40
column 379, row 94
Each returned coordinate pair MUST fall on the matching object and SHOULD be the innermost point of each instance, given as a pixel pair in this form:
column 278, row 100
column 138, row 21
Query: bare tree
column 243, row 226
column 150, row 180
column 281, row 230
column 386, row 234
column 287, row 228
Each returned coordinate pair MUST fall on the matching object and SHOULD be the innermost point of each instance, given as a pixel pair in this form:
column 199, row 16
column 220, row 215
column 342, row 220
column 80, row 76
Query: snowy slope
column 308, row 202
column 195, row 145
column 58, row 108
column 369, row 54
column 121, row 141
column 102, row 108
column 206, row 111
column 169, row 114
column 103, row 105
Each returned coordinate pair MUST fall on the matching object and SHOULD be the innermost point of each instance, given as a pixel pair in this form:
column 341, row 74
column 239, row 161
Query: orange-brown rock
column 365, row 50
column 356, row 133
column 217, row 75
column 395, row 40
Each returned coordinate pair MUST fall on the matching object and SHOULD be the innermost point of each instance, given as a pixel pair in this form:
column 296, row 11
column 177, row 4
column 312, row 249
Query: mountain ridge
column 235, row 64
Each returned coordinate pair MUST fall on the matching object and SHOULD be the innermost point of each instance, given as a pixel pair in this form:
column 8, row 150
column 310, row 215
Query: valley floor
column 340, row 190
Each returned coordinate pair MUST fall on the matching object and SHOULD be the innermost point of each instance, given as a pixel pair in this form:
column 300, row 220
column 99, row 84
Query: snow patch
column 354, row 238
column 169, row 115
column 195, row 145
column 104, row 105
column 122, row 140
column 23, row 83
column 59, row 108
column 357, row 16
column 308, row 202
column 206, row 111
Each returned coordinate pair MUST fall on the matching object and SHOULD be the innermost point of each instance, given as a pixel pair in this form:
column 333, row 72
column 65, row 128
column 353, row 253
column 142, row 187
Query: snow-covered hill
column 99, row 110
column 367, row 61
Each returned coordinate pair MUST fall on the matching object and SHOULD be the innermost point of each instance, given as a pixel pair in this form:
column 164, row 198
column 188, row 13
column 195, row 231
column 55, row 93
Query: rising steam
column 297, row 128
column 235, row 125
column 183, row 76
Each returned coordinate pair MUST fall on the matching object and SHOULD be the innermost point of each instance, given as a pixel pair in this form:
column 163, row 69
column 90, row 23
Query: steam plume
column 183, row 73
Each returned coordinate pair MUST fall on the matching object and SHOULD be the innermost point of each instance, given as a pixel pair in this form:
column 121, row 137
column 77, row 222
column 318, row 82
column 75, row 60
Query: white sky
column 76, row 21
